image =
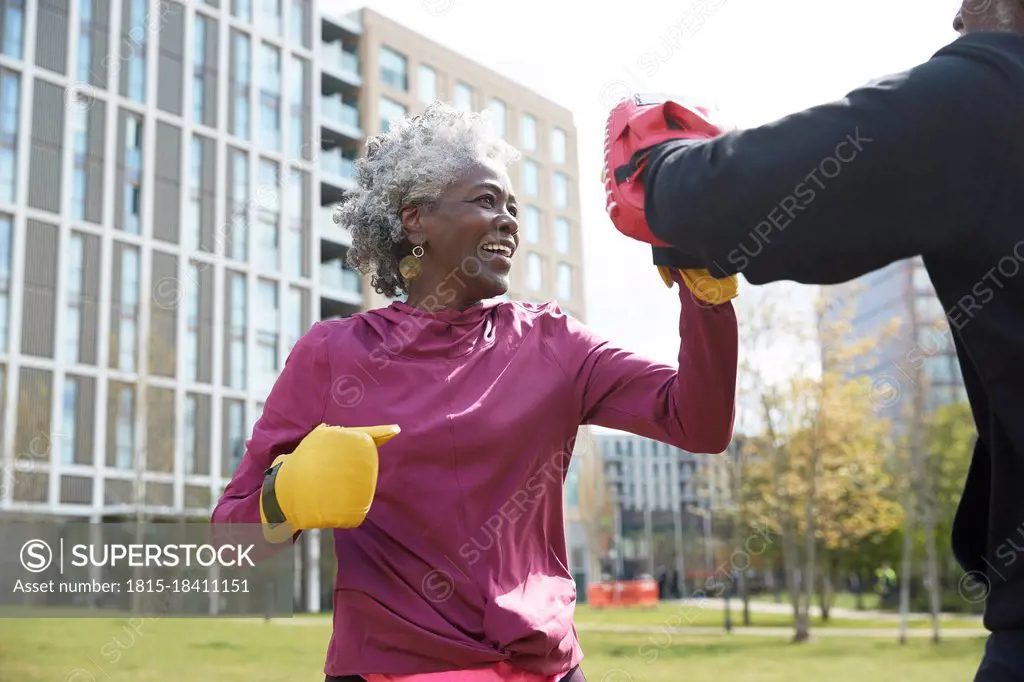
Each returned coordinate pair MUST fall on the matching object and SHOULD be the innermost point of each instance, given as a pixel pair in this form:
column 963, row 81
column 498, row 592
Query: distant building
column 896, row 309
column 663, row 500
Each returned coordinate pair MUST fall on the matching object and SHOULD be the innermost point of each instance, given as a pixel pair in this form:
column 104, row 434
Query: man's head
column 436, row 182
column 1006, row 16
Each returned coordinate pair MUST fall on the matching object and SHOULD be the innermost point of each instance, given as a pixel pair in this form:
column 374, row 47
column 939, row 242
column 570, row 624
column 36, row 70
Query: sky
column 757, row 60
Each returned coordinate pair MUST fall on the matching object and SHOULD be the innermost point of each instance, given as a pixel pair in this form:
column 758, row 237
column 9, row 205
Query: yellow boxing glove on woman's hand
column 704, row 287
column 328, row 482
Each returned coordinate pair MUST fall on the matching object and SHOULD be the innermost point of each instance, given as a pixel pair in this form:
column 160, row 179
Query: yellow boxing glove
column 328, row 482
column 708, row 289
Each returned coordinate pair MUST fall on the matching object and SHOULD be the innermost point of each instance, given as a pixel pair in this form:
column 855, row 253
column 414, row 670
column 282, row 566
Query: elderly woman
column 458, row 568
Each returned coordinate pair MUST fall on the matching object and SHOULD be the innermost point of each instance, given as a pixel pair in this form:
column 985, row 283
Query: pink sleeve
column 692, row 407
column 294, row 407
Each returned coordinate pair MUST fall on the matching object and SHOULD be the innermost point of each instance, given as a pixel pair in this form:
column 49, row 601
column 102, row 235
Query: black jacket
column 928, row 162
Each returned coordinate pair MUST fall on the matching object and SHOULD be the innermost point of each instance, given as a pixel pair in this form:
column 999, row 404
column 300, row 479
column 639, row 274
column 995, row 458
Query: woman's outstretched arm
column 691, row 407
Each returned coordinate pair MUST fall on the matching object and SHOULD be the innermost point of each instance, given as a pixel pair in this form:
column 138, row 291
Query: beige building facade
column 402, row 72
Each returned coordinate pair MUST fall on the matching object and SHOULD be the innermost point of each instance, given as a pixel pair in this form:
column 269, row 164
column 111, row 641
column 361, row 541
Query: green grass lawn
column 841, row 600
column 223, row 650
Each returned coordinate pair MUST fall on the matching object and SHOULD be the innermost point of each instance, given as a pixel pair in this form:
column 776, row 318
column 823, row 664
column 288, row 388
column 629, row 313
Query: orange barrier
column 623, row 594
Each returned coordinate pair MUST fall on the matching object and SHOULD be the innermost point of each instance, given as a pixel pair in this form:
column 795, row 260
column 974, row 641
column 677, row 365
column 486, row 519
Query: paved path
column 781, row 632
column 786, row 608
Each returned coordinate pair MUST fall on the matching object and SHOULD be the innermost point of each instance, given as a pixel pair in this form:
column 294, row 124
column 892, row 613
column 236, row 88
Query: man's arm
column 901, row 167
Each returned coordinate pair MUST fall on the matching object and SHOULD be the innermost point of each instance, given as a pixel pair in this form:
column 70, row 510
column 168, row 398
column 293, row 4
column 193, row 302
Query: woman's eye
column 488, row 199
column 514, row 211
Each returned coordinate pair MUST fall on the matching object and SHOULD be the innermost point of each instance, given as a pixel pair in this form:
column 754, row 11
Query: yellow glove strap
column 708, row 289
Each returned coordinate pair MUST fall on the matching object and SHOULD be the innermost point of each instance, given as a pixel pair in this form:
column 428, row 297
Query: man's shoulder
column 1002, row 50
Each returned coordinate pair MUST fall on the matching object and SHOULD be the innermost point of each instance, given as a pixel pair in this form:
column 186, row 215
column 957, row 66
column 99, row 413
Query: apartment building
column 403, row 72
column 168, row 173
column 896, row 309
column 661, row 501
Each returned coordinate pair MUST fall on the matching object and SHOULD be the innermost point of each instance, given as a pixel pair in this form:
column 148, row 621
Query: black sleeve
column 903, row 166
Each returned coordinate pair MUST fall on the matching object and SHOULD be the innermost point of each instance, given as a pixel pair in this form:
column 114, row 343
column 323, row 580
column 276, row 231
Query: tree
column 820, row 478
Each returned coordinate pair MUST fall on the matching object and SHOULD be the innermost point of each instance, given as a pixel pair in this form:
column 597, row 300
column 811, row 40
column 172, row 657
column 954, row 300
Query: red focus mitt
column 635, row 125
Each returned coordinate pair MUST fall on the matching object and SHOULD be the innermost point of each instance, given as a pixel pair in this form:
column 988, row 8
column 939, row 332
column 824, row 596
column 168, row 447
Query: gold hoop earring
column 411, row 265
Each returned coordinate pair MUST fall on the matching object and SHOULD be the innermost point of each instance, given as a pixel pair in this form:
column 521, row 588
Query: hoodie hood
column 409, row 332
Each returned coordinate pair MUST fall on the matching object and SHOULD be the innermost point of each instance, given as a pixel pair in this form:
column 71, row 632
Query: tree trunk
column 793, row 582
column 908, row 551
column 825, row 594
column 745, row 596
column 934, row 588
column 860, row 591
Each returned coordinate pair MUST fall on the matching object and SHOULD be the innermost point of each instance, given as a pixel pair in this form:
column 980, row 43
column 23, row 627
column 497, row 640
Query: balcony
column 338, row 169
column 351, row 23
column 340, row 116
column 341, row 63
column 341, row 283
column 327, row 228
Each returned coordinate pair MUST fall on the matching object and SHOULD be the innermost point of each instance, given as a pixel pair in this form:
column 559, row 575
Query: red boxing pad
column 636, row 124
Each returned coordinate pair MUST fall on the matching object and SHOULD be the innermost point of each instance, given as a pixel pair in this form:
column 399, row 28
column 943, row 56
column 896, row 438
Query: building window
column 270, row 17
column 191, row 436
column 67, row 436
column 267, row 333
column 80, row 140
column 462, row 96
column 125, row 429
column 85, row 11
column 72, row 331
column 133, row 175
column 531, row 178
column 270, row 99
column 534, row 272
column 426, row 84
column 393, row 67
column 192, row 325
column 194, row 196
column 558, row 143
column 10, row 88
column 299, row 33
column 234, row 436
column 390, row 110
column 295, row 242
column 531, row 224
column 242, row 9
column 268, row 237
column 528, row 132
column 563, row 237
column 296, row 308
column 13, row 23
column 199, row 69
column 6, row 228
column 499, row 116
column 240, row 85
column 237, row 319
column 560, row 189
column 127, row 338
column 136, row 37
column 297, row 128
column 238, row 205
column 564, row 282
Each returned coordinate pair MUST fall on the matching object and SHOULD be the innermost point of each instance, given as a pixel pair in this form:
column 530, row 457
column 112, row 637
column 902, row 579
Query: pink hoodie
column 462, row 561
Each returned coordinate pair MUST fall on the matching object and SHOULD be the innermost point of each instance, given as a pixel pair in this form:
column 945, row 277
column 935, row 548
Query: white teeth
column 498, row 248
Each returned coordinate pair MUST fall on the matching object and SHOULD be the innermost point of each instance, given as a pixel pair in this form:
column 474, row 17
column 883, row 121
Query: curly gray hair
column 411, row 164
